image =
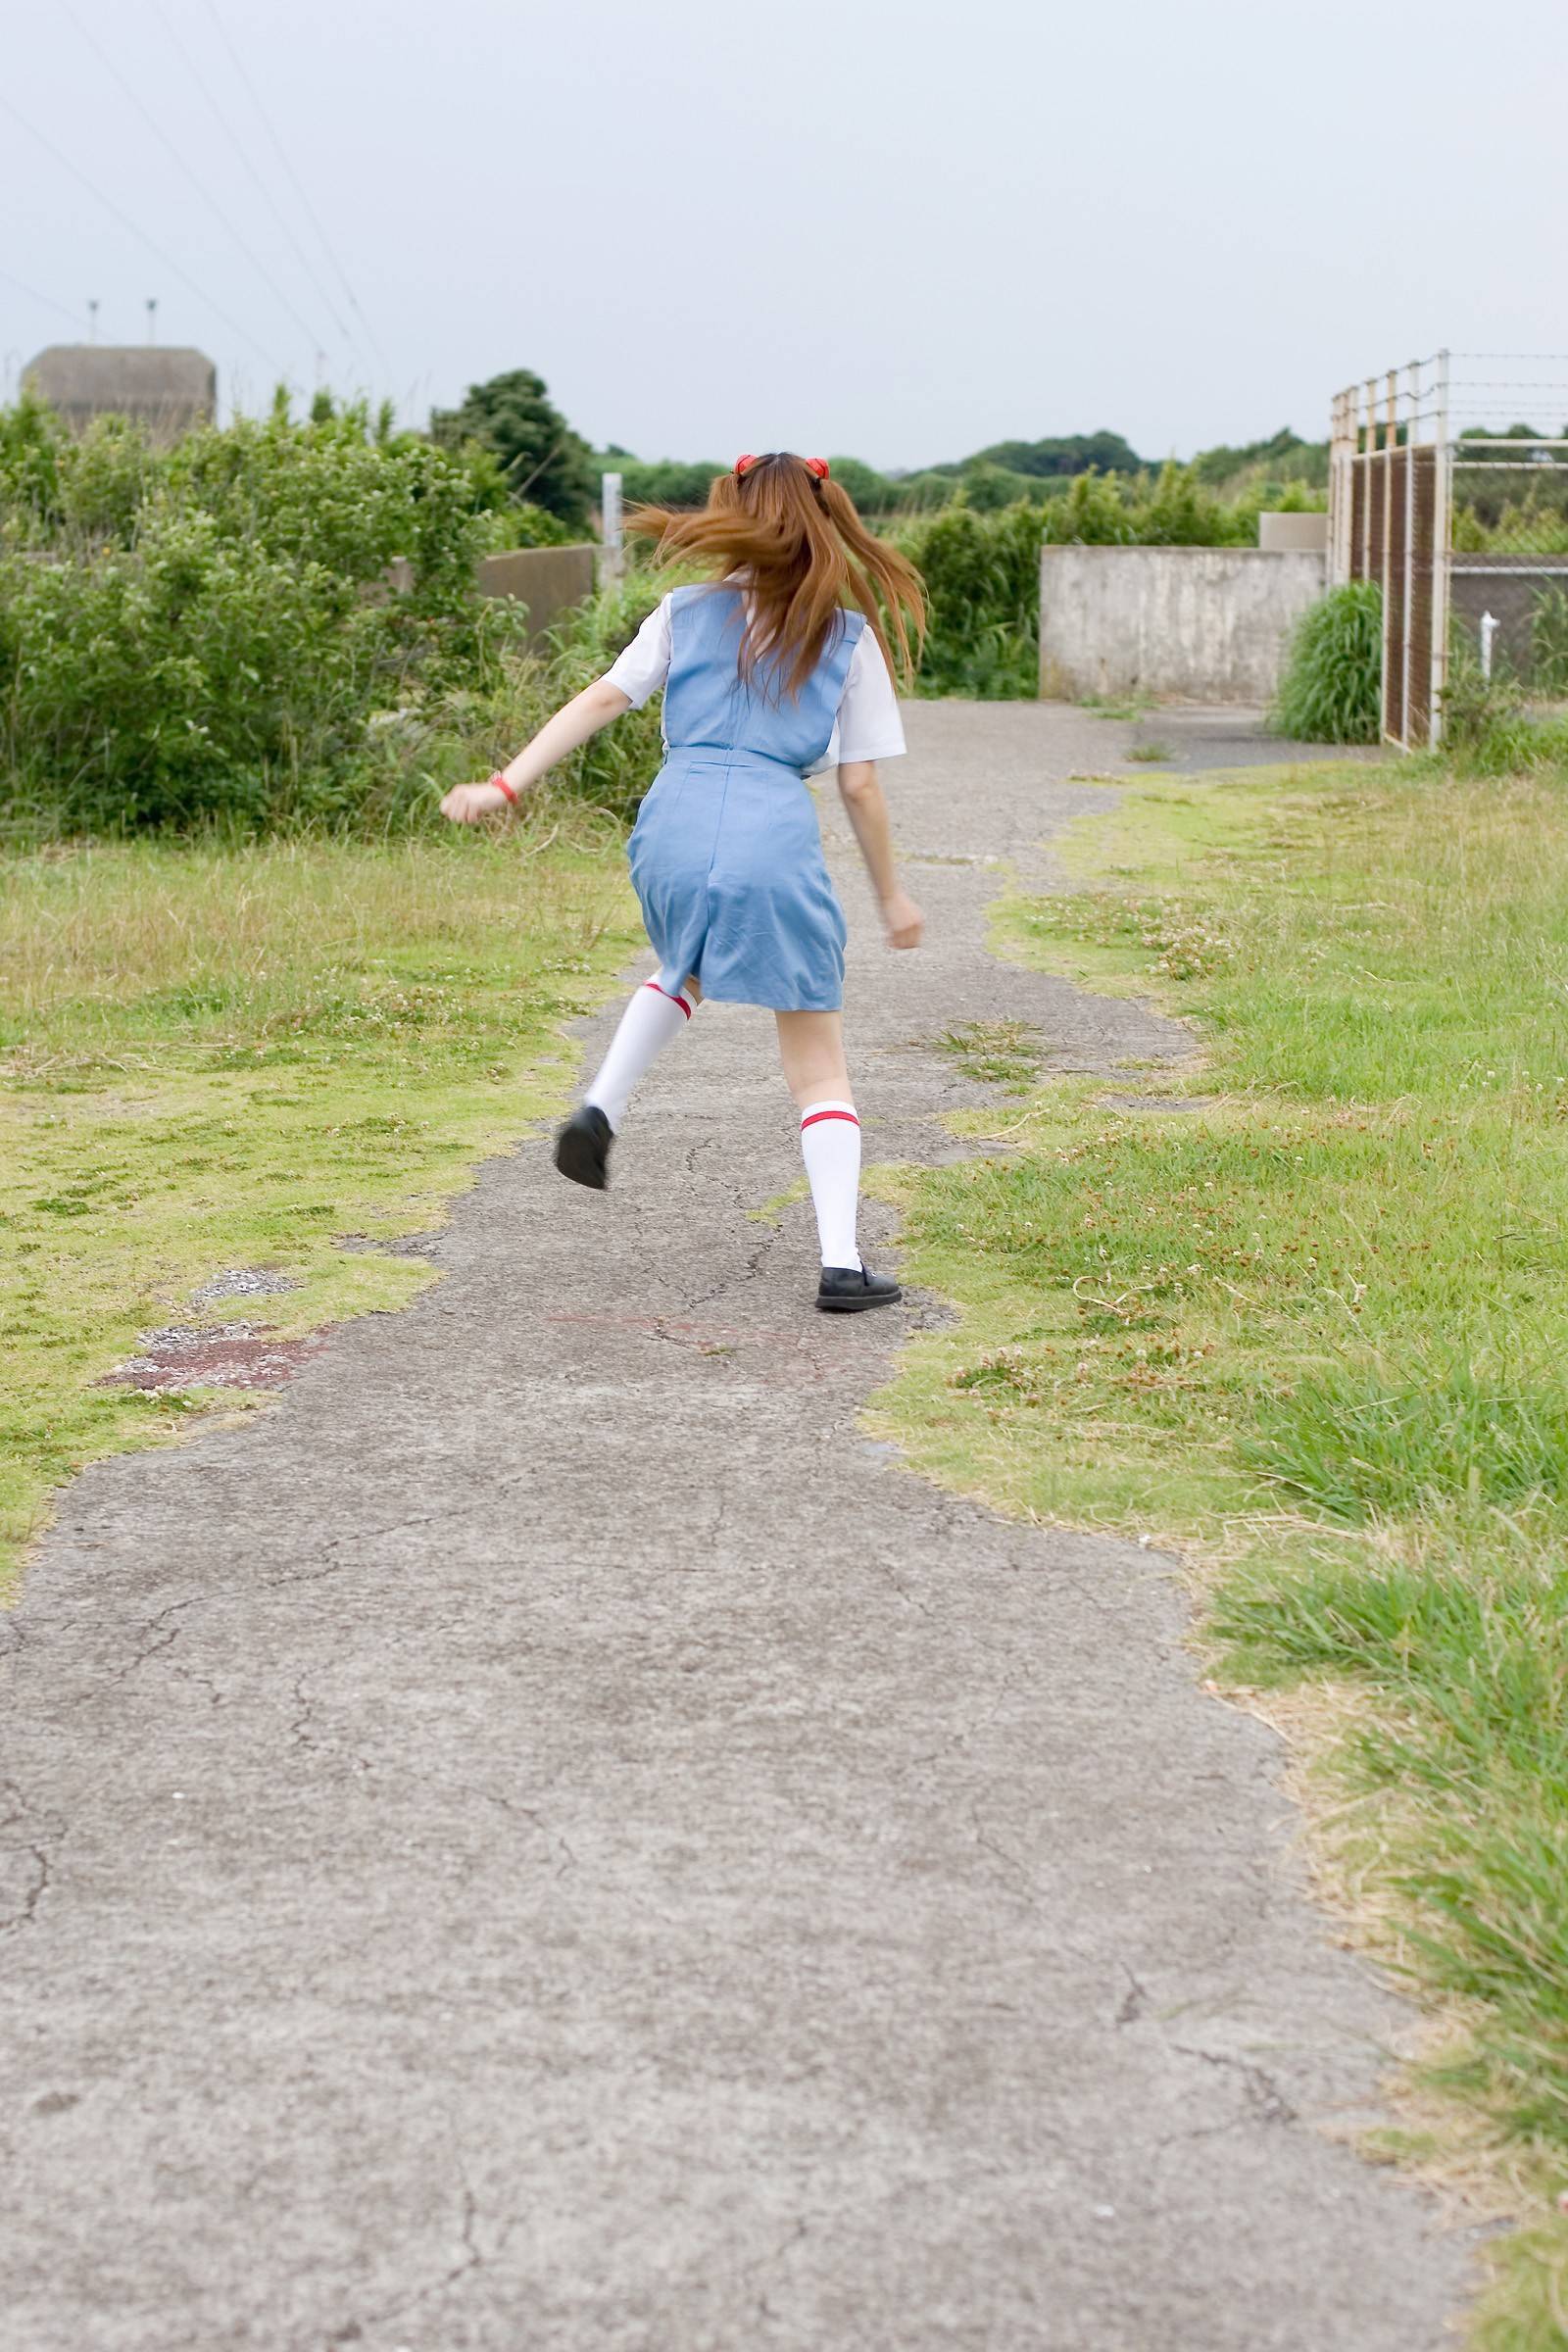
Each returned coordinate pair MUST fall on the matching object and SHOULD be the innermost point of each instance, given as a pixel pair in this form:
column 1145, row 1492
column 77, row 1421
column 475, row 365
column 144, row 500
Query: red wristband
column 500, row 781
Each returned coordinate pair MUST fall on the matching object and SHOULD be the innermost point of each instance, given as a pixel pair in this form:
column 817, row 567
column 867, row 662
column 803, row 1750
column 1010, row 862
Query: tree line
column 544, row 462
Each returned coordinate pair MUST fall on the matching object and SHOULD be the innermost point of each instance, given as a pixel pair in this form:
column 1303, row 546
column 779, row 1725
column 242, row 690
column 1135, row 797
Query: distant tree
column 663, row 481
column 544, row 461
column 873, row 492
column 989, row 488
column 1284, row 456
column 924, row 493
column 674, row 482
column 1108, row 453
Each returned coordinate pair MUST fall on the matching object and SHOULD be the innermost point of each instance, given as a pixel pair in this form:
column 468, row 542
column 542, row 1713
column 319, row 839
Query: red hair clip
column 817, row 466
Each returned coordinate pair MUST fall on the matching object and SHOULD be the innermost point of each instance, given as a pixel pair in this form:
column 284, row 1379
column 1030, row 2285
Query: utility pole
column 92, row 317
column 152, row 318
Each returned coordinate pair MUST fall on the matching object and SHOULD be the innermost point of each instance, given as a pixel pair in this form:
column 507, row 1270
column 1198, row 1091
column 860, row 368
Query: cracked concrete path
column 550, row 1841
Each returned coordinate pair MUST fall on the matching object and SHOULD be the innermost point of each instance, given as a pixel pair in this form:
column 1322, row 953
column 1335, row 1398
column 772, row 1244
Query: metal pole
column 1390, row 434
column 1442, row 550
column 1341, row 490
column 1414, row 373
column 1348, row 462
column 1371, row 475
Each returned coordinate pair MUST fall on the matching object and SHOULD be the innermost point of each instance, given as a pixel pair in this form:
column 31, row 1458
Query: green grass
column 1134, row 706
column 1316, row 1333
column 231, row 1058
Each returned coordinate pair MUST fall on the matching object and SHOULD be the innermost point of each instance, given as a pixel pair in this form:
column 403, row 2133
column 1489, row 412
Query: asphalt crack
column 33, row 1895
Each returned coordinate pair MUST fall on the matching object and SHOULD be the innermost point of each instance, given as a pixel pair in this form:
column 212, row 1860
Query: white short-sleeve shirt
column 867, row 725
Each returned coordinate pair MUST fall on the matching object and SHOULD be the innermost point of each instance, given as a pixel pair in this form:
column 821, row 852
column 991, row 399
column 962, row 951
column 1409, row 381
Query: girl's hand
column 903, row 919
column 468, row 803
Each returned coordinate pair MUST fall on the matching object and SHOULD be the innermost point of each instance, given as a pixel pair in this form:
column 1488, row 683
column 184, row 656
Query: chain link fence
column 1448, row 487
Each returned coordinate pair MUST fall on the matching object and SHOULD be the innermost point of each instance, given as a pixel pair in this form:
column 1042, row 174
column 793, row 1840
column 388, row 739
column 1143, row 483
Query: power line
column 308, row 209
column 48, row 300
column 262, row 184
column 196, row 183
column 67, row 164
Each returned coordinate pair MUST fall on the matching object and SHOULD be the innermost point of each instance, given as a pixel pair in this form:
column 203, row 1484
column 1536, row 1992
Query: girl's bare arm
column 867, row 813
column 573, row 724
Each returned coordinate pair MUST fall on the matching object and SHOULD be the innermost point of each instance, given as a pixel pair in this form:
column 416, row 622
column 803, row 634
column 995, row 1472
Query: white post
column 1490, row 626
column 614, row 556
column 1441, row 549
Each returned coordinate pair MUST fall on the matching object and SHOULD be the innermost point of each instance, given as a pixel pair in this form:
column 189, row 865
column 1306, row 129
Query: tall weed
column 1331, row 688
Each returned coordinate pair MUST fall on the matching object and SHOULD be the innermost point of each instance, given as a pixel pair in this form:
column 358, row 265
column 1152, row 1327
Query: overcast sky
column 898, row 231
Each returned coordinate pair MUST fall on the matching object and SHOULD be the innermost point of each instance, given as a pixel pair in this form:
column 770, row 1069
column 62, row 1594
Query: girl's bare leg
column 810, row 1046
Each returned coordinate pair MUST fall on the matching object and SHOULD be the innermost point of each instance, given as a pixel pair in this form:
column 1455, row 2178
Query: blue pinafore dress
column 726, row 853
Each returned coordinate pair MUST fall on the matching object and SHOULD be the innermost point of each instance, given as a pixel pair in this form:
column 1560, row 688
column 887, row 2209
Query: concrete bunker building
column 167, row 389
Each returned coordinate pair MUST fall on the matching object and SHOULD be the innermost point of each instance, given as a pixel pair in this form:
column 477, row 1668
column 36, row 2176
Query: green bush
column 980, row 556
column 1175, row 508
column 1331, row 688
column 410, row 756
column 206, row 632
column 982, row 576
column 1489, row 728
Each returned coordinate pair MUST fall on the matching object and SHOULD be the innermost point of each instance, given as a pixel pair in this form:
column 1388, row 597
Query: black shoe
column 850, row 1290
column 583, row 1147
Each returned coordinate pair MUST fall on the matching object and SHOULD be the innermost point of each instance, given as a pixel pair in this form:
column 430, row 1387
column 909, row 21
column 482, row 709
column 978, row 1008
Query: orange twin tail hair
column 802, row 552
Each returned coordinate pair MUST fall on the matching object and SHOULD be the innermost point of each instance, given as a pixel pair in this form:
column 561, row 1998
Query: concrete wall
column 549, row 580
column 164, row 386
column 1281, row 534
column 1203, row 625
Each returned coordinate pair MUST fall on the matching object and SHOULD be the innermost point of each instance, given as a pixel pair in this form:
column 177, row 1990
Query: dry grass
column 232, row 1058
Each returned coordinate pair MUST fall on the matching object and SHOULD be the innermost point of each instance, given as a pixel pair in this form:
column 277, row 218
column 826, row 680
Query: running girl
column 775, row 669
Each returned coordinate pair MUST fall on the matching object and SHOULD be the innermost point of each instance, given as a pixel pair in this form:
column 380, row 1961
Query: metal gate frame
column 1406, row 450
column 1391, row 519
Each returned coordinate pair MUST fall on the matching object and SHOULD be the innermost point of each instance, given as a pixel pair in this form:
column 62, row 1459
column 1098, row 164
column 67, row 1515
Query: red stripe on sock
column 664, row 992
column 812, row 1117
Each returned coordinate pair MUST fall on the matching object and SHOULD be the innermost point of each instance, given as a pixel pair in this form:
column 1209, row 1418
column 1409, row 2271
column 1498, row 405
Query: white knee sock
column 830, row 1146
column 646, row 1025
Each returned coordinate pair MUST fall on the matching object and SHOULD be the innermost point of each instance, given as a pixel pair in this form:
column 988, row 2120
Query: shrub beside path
column 552, row 1837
